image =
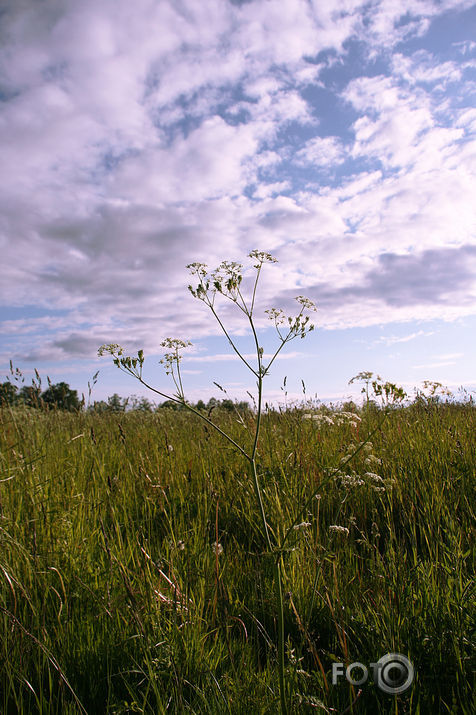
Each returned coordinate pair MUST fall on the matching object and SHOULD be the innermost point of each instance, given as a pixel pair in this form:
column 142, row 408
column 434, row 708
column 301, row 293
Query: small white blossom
column 349, row 480
column 320, row 419
column 373, row 477
column 217, row 548
column 306, row 303
column 262, row 257
column 303, row 525
column 339, row 529
column 372, row 459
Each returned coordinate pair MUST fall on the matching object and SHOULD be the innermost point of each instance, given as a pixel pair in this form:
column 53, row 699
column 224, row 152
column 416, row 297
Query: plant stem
column 279, row 593
column 277, row 565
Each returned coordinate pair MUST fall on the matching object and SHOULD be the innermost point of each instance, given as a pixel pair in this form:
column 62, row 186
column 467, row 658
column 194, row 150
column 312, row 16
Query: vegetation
column 143, row 571
column 225, row 282
column 133, row 577
column 62, row 397
column 59, row 396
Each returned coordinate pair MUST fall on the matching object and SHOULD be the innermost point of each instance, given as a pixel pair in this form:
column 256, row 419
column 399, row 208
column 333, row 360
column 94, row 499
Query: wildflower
column 373, row 477
column 374, row 530
column 180, row 545
column 350, row 416
column 199, row 269
column 217, row 548
column 349, row 480
column 306, row 303
column 323, row 419
column 277, row 315
column 112, row 348
column 320, row 419
column 339, row 529
column 170, row 448
column 372, row 459
column 175, row 343
column 262, row 257
column 303, row 525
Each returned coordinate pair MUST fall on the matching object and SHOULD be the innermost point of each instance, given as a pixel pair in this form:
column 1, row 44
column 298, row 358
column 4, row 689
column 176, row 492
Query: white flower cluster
column 319, row 418
column 338, row 418
column 339, row 529
column 348, row 481
column 262, row 257
column 371, row 459
column 350, row 418
column 303, row 525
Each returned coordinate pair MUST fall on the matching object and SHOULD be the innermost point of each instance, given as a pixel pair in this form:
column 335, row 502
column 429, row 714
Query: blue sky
column 338, row 135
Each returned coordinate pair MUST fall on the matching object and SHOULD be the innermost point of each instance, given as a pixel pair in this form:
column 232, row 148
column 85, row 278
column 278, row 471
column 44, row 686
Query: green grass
column 112, row 598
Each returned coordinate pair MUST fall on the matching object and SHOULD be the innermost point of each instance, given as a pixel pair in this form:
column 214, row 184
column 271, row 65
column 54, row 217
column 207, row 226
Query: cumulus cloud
column 138, row 139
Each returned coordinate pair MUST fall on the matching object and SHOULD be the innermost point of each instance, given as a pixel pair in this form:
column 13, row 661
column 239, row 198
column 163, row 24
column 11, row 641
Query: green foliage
column 115, row 403
column 61, row 396
column 30, row 395
column 8, row 394
column 113, row 587
column 226, row 281
column 389, row 393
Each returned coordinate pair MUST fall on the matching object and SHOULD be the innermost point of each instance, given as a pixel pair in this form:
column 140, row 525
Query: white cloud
column 321, row 151
column 393, row 339
column 227, row 357
column 434, row 365
column 136, row 140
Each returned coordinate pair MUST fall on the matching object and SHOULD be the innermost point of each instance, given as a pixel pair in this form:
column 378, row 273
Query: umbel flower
column 226, row 282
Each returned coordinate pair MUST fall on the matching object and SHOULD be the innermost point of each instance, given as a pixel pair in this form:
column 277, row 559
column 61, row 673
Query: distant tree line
column 115, row 403
column 60, row 396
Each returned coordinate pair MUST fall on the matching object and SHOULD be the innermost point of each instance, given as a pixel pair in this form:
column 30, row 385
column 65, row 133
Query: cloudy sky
column 337, row 134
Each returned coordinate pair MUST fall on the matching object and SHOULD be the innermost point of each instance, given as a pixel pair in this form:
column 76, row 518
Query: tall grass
column 134, row 578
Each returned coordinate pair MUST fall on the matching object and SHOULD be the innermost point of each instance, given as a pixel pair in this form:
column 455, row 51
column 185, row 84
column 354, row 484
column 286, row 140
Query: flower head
column 262, row 257
column 339, row 529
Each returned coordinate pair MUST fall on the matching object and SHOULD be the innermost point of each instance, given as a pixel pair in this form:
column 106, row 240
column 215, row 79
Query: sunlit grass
column 115, row 598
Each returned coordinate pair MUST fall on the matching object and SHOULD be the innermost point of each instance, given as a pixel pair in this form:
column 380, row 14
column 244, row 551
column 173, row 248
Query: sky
column 339, row 135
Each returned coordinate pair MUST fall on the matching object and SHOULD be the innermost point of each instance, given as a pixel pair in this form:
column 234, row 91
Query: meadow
column 134, row 576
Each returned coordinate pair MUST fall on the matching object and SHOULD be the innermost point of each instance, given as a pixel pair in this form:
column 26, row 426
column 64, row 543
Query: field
column 134, row 578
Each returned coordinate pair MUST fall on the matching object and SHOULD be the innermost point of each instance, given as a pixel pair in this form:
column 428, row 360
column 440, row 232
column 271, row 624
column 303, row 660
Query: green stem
column 277, row 565
column 230, row 340
column 279, row 593
column 259, row 499
column 199, row 414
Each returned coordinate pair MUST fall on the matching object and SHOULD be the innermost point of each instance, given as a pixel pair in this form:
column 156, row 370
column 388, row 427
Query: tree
column 171, row 405
column 142, row 404
column 116, row 403
column 98, row 407
column 8, row 394
column 62, row 397
column 30, row 395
